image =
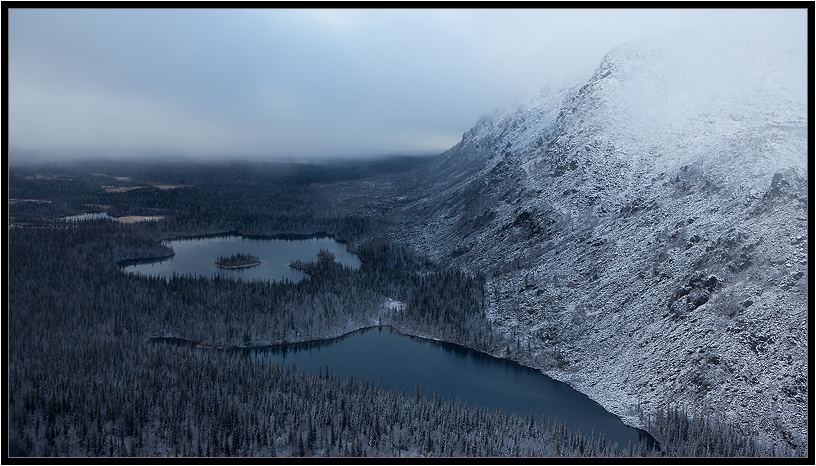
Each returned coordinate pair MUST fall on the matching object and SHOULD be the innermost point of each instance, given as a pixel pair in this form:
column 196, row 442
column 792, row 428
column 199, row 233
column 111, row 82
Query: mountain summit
column 644, row 232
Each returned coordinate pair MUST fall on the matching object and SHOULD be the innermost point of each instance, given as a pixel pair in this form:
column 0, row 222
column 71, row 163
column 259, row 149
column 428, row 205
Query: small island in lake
column 325, row 255
column 237, row 261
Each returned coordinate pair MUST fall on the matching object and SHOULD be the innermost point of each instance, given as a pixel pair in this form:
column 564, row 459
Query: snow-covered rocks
column 645, row 231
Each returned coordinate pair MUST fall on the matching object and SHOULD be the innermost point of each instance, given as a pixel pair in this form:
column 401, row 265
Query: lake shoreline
column 242, row 266
column 199, row 344
column 275, row 236
column 142, row 260
column 307, row 343
column 265, row 260
column 349, row 330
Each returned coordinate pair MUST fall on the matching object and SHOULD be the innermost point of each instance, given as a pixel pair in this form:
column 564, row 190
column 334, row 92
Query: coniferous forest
column 92, row 370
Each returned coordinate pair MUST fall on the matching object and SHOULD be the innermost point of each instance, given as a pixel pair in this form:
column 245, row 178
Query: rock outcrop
column 645, row 231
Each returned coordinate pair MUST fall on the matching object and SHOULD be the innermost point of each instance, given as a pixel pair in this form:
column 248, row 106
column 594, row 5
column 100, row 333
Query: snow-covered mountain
column 645, row 231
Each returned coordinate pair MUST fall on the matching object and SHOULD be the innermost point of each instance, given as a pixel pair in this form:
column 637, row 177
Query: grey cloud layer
column 300, row 83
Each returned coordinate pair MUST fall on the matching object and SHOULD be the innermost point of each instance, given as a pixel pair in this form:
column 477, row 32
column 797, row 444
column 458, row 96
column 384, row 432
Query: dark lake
column 402, row 362
column 393, row 360
column 198, row 256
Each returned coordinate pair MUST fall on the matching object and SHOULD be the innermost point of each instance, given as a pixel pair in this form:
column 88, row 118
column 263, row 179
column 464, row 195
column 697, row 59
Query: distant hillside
column 645, row 231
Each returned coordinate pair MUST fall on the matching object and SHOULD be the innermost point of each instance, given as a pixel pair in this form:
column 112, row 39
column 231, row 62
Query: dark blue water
column 401, row 362
column 393, row 360
column 198, row 257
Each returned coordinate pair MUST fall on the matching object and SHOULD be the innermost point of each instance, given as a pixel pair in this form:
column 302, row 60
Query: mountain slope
column 644, row 233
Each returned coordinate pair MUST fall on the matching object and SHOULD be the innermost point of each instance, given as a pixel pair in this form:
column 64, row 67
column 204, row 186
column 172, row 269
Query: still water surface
column 393, row 360
column 402, row 362
column 198, row 256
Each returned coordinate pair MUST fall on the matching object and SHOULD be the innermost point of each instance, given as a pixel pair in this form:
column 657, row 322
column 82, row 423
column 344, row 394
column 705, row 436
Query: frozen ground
column 645, row 231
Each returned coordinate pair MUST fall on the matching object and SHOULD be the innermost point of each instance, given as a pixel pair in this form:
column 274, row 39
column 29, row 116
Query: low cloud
column 311, row 83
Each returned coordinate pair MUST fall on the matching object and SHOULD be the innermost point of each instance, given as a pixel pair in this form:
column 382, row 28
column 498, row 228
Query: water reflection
column 405, row 363
column 197, row 256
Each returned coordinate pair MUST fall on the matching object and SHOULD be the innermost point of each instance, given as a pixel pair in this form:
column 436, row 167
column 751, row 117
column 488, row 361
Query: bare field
column 138, row 218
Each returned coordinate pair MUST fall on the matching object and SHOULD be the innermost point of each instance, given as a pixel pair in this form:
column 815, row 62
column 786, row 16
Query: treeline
column 85, row 379
column 163, row 400
column 253, row 198
column 441, row 303
column 686, row 434
column 74, row 269
column 237, row 260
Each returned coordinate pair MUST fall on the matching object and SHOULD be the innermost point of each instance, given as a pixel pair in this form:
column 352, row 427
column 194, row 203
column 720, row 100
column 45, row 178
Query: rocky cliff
column 644, row 231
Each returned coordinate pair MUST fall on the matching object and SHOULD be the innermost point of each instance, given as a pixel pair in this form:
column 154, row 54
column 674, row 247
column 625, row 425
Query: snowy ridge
column 645, row 232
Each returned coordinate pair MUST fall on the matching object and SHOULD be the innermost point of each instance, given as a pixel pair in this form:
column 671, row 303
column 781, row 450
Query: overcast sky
column 308, row 83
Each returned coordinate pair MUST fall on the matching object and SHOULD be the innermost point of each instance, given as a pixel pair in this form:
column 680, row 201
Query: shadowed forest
column 86, row 377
